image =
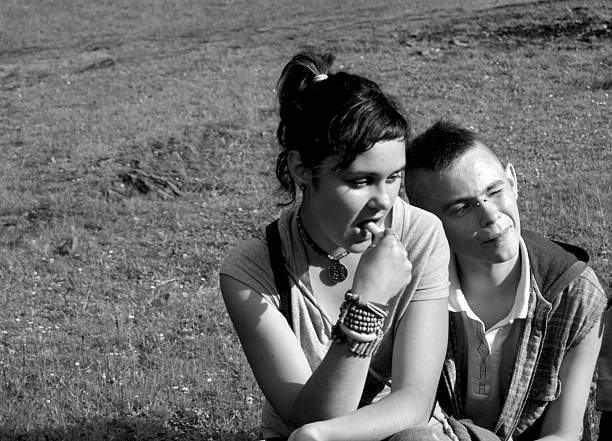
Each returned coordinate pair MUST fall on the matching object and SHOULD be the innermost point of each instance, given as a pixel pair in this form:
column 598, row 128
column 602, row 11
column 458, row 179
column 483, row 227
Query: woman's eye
column 359, row 182
column 394, row 178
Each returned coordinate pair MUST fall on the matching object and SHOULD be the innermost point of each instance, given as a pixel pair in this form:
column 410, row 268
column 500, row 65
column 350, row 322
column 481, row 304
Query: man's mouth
column 497, row 236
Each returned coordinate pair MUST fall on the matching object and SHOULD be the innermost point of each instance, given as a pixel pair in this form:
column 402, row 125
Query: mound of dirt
column 537, row 23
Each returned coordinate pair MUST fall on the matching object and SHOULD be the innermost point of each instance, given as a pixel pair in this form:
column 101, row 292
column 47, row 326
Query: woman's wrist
column 360, row 324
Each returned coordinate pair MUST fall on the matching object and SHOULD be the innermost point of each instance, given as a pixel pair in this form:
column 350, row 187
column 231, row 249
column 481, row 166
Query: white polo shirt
column 483, row 399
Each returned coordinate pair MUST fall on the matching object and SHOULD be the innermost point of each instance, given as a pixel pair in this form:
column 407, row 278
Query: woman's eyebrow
column 370, row 172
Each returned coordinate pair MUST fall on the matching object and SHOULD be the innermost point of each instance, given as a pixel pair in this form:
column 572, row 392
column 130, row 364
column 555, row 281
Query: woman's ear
column 300, row 174
column 511, row 176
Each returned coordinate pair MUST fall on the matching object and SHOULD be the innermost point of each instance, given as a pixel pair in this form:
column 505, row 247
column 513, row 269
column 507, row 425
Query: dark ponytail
column 324, row 114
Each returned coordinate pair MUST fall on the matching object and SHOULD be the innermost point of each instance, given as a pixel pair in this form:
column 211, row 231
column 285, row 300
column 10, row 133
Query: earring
column 302, row 187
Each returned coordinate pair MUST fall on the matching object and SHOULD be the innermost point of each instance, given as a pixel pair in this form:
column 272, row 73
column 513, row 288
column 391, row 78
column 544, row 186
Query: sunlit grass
column 112, row 326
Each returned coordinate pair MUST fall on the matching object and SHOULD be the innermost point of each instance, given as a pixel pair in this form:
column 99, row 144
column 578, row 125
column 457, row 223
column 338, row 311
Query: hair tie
column 319, row 77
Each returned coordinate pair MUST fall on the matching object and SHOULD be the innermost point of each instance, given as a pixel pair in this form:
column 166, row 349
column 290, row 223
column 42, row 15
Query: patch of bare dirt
column 19, row 74
column 534, row 24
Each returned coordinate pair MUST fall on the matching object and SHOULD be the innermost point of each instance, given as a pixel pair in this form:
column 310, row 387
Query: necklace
column 336, row 271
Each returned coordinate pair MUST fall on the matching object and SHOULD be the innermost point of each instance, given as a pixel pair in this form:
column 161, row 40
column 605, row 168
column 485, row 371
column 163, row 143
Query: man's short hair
column 439, row 146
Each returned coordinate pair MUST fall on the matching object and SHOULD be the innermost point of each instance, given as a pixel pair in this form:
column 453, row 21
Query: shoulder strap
column 277, row 261
column 281, row 280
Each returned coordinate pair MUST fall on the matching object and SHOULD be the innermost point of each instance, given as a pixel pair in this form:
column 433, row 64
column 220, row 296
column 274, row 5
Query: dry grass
column 112, row 326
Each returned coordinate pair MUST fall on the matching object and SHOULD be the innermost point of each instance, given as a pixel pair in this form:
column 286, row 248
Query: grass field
column 137, row 146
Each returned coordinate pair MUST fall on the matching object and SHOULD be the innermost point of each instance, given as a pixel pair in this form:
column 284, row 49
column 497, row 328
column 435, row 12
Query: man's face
column 476, row 200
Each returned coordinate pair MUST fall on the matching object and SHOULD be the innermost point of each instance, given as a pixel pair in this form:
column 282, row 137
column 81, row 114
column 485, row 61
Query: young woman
column 364, row 275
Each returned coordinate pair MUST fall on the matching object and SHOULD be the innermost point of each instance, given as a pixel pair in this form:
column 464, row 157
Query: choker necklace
column 336, row 271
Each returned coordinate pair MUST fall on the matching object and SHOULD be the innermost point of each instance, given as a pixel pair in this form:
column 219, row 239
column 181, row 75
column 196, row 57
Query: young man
column 525, row 312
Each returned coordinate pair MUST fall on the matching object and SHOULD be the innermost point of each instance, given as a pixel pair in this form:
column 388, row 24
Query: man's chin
column 499, row 255
column 502, row 255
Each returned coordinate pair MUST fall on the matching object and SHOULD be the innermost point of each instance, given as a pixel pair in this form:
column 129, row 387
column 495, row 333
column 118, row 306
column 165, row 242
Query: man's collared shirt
column 483, row 399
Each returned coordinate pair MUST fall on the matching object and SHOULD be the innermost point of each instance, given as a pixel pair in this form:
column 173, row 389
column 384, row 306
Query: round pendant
column 337, row 272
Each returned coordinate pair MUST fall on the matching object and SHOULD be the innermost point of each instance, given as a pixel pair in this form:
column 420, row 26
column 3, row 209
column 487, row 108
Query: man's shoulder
column 590, row 289
column 553, row 249
column 554, row 265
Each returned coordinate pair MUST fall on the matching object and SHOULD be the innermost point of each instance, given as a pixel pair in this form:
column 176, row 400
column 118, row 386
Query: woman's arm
column 280, row 366
column 277, row 360
column 418, row 354
column 564, row 416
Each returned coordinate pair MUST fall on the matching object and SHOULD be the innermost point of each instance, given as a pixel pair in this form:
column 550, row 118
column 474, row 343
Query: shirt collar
column 458, row 303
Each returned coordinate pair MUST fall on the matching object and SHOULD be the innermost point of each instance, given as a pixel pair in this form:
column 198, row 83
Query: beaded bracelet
column 360, row 324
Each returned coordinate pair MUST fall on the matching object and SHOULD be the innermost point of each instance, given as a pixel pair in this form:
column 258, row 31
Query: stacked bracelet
column 360, row 324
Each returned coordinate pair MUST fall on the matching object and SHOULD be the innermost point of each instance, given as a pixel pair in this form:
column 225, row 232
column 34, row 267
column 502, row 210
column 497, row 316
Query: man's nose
column 489, row 214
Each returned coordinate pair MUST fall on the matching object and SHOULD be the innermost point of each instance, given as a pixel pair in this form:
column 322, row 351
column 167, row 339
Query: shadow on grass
column 130, row 429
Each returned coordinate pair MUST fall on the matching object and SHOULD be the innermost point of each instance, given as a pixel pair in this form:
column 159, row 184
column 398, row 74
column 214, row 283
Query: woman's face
column 337, row 203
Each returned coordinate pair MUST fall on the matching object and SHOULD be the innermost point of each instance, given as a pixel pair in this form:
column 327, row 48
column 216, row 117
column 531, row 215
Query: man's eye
column 459, row 210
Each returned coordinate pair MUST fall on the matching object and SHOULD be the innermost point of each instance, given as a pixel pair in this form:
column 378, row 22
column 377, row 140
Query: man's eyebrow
column 464, row 200
column 495, row 184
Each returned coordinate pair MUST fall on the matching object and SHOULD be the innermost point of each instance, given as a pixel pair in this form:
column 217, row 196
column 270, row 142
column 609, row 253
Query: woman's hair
column 324, row 114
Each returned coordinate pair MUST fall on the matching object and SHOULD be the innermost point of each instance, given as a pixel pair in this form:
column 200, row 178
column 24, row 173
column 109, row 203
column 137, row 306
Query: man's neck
column 490, row 289
column 491, row 275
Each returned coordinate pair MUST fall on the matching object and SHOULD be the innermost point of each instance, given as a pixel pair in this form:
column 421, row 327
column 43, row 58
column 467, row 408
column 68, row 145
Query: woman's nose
column 381, row 200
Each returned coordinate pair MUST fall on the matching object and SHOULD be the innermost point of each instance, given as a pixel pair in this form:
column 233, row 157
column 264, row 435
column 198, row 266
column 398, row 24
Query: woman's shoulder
column 416, row 221
column 245, row 253
column 428, row 251
column 423, row 235
column 249, row 263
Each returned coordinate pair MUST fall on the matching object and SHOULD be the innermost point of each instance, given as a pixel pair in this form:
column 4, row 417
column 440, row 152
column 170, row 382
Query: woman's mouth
column 368, row 229
column 373, row 228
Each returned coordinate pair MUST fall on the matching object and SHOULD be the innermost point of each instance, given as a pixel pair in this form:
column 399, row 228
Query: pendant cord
column 314, row 246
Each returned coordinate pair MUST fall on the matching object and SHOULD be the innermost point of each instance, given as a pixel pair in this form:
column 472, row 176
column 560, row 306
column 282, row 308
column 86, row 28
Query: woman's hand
column 384, row 269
